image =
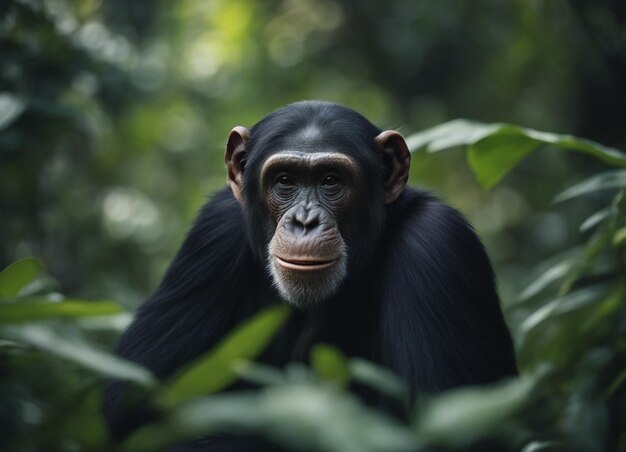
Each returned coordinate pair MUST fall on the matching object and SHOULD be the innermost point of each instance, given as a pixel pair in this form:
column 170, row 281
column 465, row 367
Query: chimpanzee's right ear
column 235, row 159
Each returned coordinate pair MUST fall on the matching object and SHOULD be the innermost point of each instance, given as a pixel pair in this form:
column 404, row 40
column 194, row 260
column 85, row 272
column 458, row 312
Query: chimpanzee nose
column 304, row 221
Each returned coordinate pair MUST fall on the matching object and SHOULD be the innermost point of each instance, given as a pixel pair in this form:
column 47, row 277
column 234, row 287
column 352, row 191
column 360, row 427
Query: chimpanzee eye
column 330, row 181
column 285, row 180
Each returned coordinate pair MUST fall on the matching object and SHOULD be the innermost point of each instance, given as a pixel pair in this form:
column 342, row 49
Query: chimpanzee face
column 319, row 194
column 307, row 194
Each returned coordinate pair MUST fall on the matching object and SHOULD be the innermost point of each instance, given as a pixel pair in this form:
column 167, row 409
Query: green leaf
column 301, row 416
column 16, row 276
column 459, row 132
column 561, row 305
column 603, row 181
column 330, row 364
column 619, row 237
column 45, row 338
column 214, row 370
column 591, row 262
column 379, row 378
column 259, row 374
column 597, row 218
column 495, row 155
column 40, row 308
column 494, row 149
column 461, row 416
column 552, row 274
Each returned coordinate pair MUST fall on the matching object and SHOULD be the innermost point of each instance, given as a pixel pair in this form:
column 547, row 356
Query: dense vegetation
column 112, row 121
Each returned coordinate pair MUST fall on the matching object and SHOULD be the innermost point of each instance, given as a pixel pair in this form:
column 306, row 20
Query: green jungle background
column 113, row 120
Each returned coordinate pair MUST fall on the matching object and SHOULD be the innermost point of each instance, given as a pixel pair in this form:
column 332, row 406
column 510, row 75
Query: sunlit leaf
column 16, row 276
column 330, row 364
column 619, row 237
column 39, row 308
column 379, row 378
column 494, row 149
column 603, row 181
column 214, row 370
column 46, row 339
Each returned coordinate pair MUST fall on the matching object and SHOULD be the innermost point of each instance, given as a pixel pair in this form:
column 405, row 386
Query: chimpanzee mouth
column 305, row 264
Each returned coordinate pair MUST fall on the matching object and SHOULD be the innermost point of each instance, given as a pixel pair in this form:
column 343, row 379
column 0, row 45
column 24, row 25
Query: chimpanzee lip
column 305, row 263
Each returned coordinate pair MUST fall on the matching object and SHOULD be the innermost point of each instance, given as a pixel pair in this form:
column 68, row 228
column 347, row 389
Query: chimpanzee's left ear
column 397, row 160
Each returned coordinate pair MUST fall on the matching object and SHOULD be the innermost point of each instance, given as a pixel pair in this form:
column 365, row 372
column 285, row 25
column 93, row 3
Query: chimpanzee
column 317, row 215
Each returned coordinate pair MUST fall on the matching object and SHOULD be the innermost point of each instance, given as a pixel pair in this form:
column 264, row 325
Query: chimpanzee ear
column 397, row 160
column 235, row 159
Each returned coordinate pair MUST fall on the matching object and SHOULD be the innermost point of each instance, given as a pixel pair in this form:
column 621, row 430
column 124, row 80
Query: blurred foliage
column 113, row 117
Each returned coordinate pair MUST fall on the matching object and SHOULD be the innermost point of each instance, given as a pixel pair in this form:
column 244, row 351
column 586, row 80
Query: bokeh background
column 114, row 116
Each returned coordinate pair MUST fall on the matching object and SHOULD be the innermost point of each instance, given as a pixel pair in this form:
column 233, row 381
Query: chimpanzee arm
column 441, row 324
column 202, row 296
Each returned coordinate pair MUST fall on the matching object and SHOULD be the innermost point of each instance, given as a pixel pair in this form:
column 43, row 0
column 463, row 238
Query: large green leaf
column 16, row 276
column 214, row 370
column 45, row 338
column 494, row 149
column 40, row 308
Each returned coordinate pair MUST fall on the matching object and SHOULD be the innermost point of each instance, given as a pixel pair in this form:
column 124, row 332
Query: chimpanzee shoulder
column 441, row 323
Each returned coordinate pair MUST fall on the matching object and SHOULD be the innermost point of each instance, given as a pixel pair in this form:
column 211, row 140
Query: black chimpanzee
column 317, row 215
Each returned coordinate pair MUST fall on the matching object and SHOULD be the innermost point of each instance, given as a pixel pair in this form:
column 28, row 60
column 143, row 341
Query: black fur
column 420, row 296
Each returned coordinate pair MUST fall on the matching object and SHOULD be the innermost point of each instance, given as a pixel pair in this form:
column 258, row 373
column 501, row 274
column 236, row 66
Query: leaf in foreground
column 215, row 370
column 461, row 416
column 330, row 364
column 42, row 308
column 16, row 276
column 494, row 149
column 379, row 378
column 46, row 339
column 299, row 416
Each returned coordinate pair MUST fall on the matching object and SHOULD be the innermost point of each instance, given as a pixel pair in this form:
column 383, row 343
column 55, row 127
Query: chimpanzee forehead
column 315, row 139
